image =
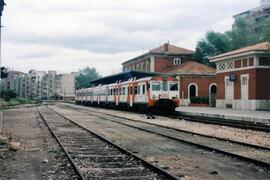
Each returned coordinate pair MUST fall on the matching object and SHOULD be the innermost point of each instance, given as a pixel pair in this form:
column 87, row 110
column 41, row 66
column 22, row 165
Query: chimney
column 166, row 47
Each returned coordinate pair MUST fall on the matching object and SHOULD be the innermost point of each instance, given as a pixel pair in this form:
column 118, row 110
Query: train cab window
column 156, row 86
column 174, row 86
column 143, row 89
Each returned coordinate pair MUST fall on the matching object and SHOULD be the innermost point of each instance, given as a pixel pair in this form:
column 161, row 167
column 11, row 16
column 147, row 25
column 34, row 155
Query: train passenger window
column 156, row 86
column 143, row 88
column 139, row 90
column 124, row 91
column 135, row 90
column 174, row 86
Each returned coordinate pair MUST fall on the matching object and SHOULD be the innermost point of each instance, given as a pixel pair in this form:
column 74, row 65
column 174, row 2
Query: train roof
column 125, row 76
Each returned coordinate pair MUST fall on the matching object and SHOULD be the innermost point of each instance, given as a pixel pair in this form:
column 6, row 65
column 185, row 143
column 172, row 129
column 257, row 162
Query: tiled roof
column 171, row 49
column 257, row 47
column 191, row 68
column 166, row 49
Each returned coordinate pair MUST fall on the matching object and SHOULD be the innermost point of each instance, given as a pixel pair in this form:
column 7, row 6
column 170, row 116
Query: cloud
column 37, row 30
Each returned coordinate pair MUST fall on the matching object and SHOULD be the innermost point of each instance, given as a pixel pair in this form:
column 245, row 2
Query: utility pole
column 2, row 4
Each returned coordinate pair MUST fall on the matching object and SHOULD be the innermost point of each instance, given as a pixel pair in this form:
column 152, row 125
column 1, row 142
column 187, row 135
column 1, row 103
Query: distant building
column 12, row 82
column 40, row 85
column 259, row 17
column 65, row 86
column 243, row 78
column 158, row 59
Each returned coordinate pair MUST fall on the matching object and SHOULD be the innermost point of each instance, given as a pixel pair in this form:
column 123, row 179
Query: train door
column 165, row 90
column 138, row 89
column 130, row 99
column 144, row 93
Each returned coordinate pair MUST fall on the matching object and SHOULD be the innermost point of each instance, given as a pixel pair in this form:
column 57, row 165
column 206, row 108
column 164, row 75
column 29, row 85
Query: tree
column 85, row 76
column 7, row 95
column 213, row 44
column 243, row 33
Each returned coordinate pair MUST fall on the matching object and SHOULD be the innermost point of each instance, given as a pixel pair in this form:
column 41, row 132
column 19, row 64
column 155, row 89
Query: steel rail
column 77, row 169
column 226, row 122
column 207, row 120
column 189, row 132
column 247, row 159
column 145, row 162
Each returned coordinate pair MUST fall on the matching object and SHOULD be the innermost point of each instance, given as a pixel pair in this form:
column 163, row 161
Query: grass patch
column 15, row 102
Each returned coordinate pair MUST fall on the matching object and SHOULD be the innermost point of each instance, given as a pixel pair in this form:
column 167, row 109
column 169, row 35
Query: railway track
column 216, row 121
column 226, row 122
column 255, row 154
column 95, row 157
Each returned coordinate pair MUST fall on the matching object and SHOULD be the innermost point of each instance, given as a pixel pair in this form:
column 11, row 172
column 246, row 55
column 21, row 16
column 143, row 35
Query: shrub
column 199, row 100
column 195, row 100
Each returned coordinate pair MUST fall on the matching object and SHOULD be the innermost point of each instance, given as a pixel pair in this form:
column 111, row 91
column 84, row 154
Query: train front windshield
column 174, row 86
column 156, row 86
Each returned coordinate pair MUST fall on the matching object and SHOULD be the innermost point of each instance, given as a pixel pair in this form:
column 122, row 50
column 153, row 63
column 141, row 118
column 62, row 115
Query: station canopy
column 125, row 76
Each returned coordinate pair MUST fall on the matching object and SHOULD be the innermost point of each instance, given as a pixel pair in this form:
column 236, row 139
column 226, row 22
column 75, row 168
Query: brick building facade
column 157, row 60
column 243, row 78
column 195, row 79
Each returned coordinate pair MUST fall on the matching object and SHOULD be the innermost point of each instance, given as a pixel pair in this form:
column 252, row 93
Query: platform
column 229, row 114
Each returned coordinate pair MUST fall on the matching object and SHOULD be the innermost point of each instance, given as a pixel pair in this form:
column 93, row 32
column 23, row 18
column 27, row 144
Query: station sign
column 232, row 77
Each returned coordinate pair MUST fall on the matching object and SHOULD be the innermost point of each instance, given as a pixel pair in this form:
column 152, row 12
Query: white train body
column 162, row 92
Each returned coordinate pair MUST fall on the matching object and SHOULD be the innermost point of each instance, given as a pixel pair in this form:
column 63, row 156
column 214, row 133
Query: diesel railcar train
column 148, row 93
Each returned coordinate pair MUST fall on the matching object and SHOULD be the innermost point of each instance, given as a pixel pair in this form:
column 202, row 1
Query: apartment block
column 41, row 85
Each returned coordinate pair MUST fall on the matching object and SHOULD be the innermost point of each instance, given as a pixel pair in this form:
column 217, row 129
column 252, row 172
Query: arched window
column 192, row 90
column 147, row 66
column 213, row 88
column 143, row 68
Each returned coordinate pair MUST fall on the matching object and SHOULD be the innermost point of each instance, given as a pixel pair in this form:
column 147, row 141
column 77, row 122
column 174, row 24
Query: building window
column 192, row 90
column 264, row 61
column 251, row 61
column 147, row 66
column 244, row 80
column 237, row 64
column 177, row 61
column 137, row 67
column 244, row 62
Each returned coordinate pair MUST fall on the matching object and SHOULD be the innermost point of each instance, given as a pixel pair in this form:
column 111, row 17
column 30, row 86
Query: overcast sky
column 67, row 35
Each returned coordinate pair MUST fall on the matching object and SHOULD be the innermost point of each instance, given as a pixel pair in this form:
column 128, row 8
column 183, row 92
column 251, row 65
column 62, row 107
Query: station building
column 243, row 78
column 195, row 79
column 158, row 59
